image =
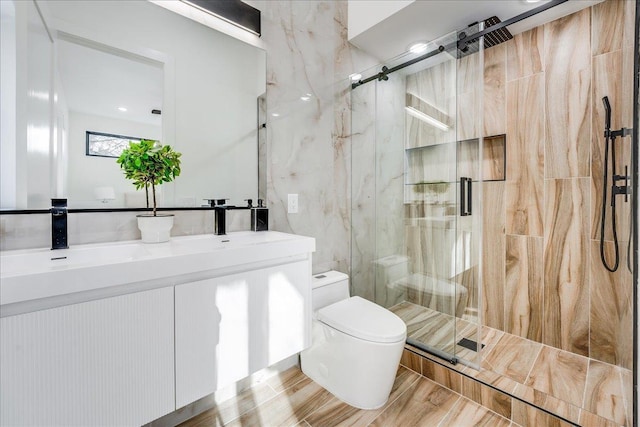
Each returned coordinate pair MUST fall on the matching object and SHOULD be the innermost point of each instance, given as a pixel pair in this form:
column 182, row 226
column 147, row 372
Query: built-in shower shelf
column 430, row 168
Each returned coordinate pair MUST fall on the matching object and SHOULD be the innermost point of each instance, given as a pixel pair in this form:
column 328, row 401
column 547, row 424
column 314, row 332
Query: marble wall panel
column 363, row 191
column 307, row 145
column 523, row 287
column 567, row 101
column 525, row 54
column 611, row 308
column 525, row 156
column 566, row 259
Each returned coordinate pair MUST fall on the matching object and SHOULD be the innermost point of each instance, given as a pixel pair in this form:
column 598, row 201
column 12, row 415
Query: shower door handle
column 465, row 196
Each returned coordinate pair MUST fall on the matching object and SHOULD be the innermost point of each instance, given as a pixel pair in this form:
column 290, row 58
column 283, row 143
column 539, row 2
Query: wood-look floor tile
column 545, row 401
column 487, row 376
column 627, row 385
column 524, row 289
column 411, row 361
column 287, row 408
column 560, row 374
column 513, row 357
column 231, row 409
column 468, row 413
column 566, row 256
column 494, row 400
column 425, row 403
column 337, row 413
column 604, row 395
column 286, row 379
column 414, row 316
column 525, row 54
column 529, row 416
column 442, row 375
column 525, row 156
column 589, row 419
column 611, row 311
column 568, row 96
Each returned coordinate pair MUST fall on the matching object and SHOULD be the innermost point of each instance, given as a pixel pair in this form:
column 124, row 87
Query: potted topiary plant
column 148, row 164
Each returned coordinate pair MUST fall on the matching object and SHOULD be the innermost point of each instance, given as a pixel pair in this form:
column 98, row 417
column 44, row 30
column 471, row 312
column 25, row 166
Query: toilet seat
column 363, row 319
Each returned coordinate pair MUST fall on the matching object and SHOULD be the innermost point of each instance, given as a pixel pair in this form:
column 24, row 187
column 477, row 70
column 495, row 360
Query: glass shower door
column 416, row 198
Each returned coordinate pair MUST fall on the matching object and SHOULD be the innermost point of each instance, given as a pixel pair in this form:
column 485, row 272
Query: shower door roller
column 465, row 196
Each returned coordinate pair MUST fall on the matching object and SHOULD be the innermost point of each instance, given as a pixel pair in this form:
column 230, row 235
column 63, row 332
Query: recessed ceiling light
column 123, row 109
column 418, row 47
column 355, row 77
column 275, row 115
column 531, row 1
column 305, row 97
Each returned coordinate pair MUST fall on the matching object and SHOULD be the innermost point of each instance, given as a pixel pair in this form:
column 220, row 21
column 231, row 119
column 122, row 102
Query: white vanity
column 124, row 333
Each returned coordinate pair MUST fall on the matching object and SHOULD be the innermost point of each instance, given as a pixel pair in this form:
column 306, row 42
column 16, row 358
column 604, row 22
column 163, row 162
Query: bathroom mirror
column 94, row 68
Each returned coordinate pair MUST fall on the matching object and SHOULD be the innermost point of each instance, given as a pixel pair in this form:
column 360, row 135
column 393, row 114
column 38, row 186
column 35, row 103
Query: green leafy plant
column 148, row 163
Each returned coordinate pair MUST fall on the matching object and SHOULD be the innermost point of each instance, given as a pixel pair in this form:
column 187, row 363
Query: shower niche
column 425, row 179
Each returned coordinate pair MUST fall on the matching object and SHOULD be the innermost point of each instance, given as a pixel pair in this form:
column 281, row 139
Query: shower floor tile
column 561, row 382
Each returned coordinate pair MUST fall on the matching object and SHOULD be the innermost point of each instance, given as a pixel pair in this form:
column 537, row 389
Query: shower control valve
column 624, row 189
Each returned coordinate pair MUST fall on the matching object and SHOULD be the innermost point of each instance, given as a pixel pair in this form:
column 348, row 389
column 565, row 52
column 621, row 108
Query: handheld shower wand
column 610, row 137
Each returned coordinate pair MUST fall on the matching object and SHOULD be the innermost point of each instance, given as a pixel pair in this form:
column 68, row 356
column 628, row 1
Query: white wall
column 27, row 99
column 364, row 14
column 85, row 173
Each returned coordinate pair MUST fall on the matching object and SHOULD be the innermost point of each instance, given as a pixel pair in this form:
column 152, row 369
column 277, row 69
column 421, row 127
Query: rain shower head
column 492, row 39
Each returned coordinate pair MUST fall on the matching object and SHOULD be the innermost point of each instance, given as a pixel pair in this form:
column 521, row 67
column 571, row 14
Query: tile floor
column 292, row 399
column 572, row 386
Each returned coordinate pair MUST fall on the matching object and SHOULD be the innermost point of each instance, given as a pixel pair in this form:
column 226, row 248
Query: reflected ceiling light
column 306, row 97
column 532, row 1
column 355, row 77
column 123, row 109
column 418, row 47
column 275, row 115
column 426, row 118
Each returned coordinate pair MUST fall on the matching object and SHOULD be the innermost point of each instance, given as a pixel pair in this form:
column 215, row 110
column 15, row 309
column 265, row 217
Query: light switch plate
column 293, row 203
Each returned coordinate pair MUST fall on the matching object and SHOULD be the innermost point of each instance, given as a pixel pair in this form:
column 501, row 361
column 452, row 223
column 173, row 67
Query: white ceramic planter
column 155, row 229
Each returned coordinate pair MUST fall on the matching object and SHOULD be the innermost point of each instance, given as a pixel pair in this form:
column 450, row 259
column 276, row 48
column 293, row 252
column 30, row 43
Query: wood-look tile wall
column 542, row 274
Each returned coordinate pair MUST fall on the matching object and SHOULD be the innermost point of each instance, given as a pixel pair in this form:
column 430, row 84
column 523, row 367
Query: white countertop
column 35, row 274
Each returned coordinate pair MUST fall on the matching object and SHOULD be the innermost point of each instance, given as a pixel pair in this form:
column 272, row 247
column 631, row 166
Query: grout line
column 532, row 365
column 586, row 383
column 391, row 402
column 449, row 412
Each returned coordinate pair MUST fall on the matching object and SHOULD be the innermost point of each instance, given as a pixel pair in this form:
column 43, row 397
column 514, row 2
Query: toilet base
column 358, row 372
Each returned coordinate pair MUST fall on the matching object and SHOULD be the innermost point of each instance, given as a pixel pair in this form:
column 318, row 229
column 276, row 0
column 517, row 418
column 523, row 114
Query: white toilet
column 356, row 346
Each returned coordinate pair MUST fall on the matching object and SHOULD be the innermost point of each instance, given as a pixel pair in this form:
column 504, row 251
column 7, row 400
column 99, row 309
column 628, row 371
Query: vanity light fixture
column 235, row 12
column 123, row 109
column 426, row 118
column 418, row 47
column 355, row 77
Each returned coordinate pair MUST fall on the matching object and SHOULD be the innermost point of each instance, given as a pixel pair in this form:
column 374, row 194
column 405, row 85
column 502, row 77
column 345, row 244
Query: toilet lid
column 363, row 319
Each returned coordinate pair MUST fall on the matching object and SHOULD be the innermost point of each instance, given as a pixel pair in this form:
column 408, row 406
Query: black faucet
column 220, row 214
column 59, row 224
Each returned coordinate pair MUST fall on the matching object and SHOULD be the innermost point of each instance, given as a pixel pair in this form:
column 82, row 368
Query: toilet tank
column 329, row 287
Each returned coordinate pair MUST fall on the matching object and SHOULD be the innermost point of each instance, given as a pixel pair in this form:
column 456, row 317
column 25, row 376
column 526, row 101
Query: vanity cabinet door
column 104, row 362
column 232, row 326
